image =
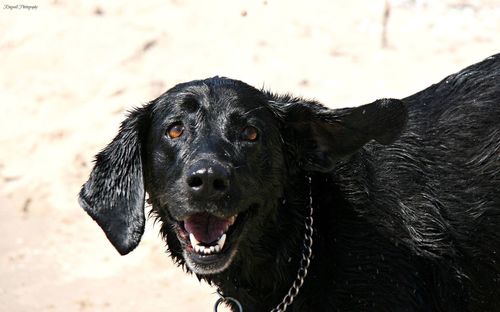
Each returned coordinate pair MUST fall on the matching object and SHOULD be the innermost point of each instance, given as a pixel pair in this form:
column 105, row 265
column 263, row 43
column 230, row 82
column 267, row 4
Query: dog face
column 214, row 168
column 216, row 157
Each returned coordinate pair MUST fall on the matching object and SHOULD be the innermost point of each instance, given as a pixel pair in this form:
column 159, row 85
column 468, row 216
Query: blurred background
column 69, row 70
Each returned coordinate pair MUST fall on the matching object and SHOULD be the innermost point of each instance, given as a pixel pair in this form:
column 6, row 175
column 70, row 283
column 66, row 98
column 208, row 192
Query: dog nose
column 208, row 179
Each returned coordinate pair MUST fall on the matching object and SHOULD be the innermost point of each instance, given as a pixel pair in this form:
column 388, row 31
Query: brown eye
column 250, row 134
column 175, row 130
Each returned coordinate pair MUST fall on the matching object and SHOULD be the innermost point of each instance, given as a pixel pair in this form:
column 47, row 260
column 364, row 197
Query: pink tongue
column 205, row 227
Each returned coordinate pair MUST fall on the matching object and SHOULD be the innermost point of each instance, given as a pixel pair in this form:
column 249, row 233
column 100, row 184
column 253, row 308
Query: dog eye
column 250, row 134
column 176, row 130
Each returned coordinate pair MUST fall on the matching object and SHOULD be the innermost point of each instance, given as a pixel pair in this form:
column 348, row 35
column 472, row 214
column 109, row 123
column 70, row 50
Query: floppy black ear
column 114, row 193
column 325, row 135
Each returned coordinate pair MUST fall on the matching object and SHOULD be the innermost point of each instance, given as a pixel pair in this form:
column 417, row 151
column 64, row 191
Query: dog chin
column 211, row 264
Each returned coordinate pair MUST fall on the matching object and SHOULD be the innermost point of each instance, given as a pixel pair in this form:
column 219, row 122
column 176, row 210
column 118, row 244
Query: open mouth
column 209, row 241
column 207, row 233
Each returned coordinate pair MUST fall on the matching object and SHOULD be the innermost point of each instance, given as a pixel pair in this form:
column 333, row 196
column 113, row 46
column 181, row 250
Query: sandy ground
column 70, row 69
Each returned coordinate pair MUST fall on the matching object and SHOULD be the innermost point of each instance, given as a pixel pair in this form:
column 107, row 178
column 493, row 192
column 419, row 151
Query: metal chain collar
column 302, row 272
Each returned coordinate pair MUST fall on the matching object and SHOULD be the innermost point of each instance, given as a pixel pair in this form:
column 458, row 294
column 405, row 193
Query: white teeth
column 221, row 241
column 199, row 248
column 194, row 241
column 208, row 250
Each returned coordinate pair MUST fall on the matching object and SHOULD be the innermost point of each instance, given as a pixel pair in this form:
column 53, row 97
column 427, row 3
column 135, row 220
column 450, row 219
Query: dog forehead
column 214, row 96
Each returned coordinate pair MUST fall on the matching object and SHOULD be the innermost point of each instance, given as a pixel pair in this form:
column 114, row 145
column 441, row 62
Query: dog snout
column 208, row 179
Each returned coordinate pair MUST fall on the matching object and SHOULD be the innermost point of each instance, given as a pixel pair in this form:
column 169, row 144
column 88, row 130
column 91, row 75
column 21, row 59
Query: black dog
column 406, row 194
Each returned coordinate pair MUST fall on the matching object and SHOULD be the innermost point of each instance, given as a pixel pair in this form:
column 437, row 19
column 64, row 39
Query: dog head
column 215, row 157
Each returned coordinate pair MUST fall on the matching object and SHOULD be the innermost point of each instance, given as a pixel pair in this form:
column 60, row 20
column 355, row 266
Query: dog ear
column 114, row 193
column 323, row 135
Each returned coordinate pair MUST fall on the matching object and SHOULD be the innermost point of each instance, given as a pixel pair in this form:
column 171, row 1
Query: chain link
column 303, row 269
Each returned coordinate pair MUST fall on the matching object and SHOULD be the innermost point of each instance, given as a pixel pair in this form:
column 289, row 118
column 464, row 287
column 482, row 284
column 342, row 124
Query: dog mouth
column 209, row 242
column 207, row 233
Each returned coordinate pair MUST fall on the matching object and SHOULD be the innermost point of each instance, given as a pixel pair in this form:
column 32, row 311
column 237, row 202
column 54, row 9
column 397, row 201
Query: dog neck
column 231, row 293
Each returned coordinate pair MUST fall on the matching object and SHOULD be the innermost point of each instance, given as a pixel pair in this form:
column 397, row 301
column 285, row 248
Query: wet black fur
column 406, row 222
